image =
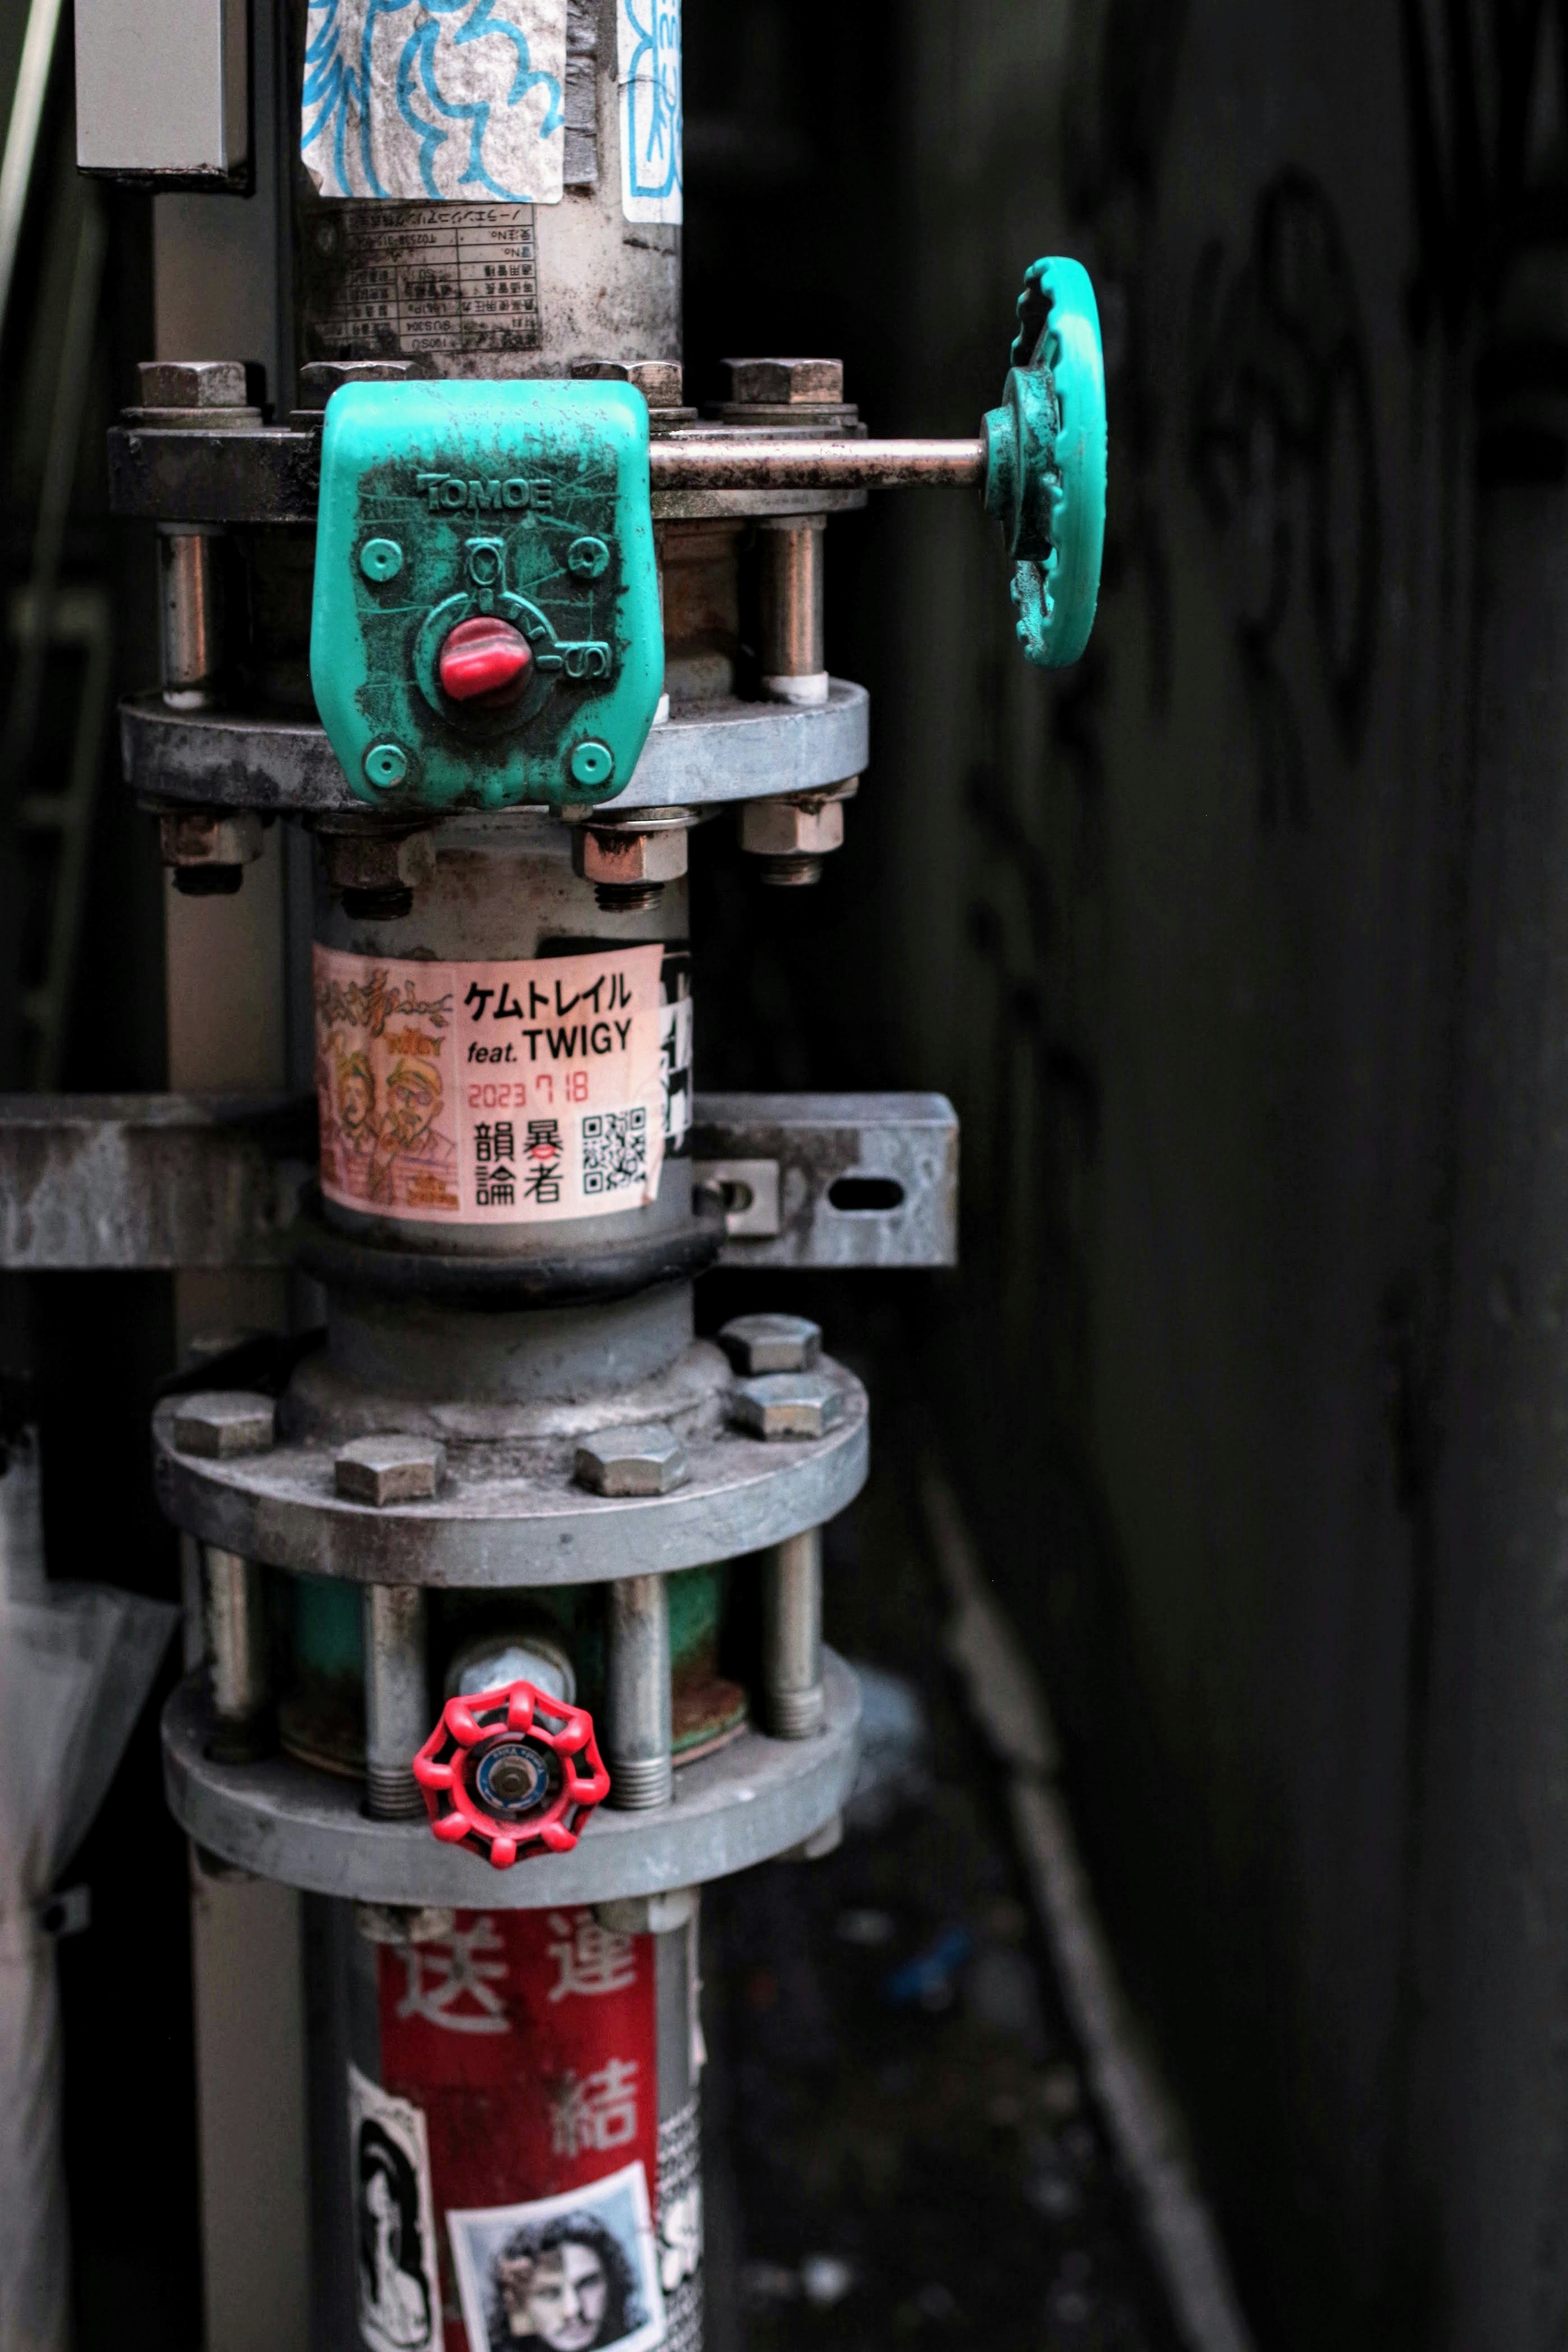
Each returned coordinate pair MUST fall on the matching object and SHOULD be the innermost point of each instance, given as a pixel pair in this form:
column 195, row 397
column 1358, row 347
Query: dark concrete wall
column 1240, row 950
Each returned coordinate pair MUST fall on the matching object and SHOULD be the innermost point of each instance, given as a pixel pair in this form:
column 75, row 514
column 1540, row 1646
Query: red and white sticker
column 525, row 2041
column 500, row 1094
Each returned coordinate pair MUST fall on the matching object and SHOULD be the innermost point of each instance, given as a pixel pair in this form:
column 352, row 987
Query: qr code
column 615, row 1149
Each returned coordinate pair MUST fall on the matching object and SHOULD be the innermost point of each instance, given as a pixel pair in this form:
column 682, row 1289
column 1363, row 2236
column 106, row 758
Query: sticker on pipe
column 394, row 2223
column 501, row 1094
column 439, row 100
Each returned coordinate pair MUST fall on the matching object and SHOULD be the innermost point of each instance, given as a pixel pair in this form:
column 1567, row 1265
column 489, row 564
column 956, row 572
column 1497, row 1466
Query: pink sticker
column 500, row 1094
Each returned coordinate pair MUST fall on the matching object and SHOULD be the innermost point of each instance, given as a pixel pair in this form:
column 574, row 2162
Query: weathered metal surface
column 865, row 1180
column 754, row 1799
column 721, row 750
column 145, row 1181
column 97, row 1181
column 512, row 1514
column 272, row 473
column 198, row 474
column 795, row 462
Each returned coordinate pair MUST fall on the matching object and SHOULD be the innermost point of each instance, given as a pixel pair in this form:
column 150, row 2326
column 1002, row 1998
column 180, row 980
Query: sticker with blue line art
column 435, row 100
column 648, row 61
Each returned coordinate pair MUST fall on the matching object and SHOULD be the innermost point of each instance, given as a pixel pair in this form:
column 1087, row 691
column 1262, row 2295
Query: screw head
column 220, row 1423
column 381, row 558
column 785, row 1404
column 593, row 763
column 658, row 381
column 383, row 1470
column 193, row 383
column 648, row 1459
column 386, row 764
column 794, row 382
column 589, row 558
column 771, row 1343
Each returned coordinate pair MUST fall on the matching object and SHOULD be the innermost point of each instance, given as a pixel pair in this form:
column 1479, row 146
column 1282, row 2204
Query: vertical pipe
column 189, row 624
column 794, row 664
column 638, row 1729
column 792, row 1636
column 237, row 1654
column 397, row 1699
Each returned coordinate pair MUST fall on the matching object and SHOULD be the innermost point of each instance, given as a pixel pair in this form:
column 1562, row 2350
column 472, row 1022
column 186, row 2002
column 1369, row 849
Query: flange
column 710, row 751
column 281, row 1820
column 511, row 1515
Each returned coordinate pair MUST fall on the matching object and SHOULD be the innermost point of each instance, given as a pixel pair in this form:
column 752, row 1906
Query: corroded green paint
column 528, row 500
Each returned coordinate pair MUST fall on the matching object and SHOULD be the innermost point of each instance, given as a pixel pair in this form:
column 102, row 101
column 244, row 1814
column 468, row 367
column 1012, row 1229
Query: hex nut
column 785, row 1404
column 373, row 860
column 383, row 1470
column 793, row 383
column 649, row 1915
column 626, row 855
column 193, row 383
column 647, row 1459
column 771, row 1343
column 320, row 379
column 660, row 381
column 808, row 827
column 220, row 1423
column 204, row 836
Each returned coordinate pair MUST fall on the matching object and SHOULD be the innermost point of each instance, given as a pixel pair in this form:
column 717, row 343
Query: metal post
column 794, row 665
column 238, row 1652
column 792, row 1636
column 189, row 625
column 638, row 1694
column 397, row 1699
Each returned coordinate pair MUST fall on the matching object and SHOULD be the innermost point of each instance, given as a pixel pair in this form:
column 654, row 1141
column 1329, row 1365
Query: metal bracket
column 832, row 1180
column 142, row 1182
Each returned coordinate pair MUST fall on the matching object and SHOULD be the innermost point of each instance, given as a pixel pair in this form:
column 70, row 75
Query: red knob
column 510, row 1772
column 484, row 662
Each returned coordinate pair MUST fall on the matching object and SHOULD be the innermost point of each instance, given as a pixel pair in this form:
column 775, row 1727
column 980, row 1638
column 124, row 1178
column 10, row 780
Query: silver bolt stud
column 648, row 1459
column 771, row 1343
column 383, row 1470
column 225, row 1422
column 785, row 1404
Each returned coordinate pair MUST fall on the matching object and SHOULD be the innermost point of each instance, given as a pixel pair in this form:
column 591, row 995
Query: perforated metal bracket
column 138, row 1182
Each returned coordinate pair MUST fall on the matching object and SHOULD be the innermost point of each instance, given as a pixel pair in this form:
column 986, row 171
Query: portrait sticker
column 447, row 100
column 394, row 2222
column 501, row 1094
column 578, row 2273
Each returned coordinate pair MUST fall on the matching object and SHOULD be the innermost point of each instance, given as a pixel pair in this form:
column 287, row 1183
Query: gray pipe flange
column 508, row 1510
column 753, row 1800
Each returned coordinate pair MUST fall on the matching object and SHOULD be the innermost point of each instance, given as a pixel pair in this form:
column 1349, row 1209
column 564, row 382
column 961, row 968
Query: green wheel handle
column 1045, row 470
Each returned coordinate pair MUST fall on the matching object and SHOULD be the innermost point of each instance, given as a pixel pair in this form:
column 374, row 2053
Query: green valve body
column 522, row 507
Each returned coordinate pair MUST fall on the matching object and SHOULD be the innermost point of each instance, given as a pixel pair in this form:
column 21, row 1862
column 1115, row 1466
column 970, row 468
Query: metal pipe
column 794, row 1704
column 189, row 622
column 797, row 464
column 397, row 1699
column 637, row 1740
column 794, row 664
column 238, row 1653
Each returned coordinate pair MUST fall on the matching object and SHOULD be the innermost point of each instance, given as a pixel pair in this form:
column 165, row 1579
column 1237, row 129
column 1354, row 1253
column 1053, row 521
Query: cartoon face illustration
column 413, row 1097
column 356, row 1098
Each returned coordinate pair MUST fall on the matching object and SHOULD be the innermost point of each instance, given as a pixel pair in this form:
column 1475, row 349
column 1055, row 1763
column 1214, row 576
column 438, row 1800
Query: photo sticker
column 394, row 2223
column 573, row 2274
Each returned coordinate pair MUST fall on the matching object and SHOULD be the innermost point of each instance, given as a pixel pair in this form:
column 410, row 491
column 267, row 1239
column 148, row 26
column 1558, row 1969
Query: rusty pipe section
column 797, row 464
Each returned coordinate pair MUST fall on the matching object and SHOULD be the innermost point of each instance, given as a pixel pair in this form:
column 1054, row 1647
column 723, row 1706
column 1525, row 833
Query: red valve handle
column 486, row 661
column 511, row 1772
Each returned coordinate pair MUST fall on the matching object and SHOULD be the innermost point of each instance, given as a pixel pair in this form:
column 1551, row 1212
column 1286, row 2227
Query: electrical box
column 161, row 91
column 485, row 629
